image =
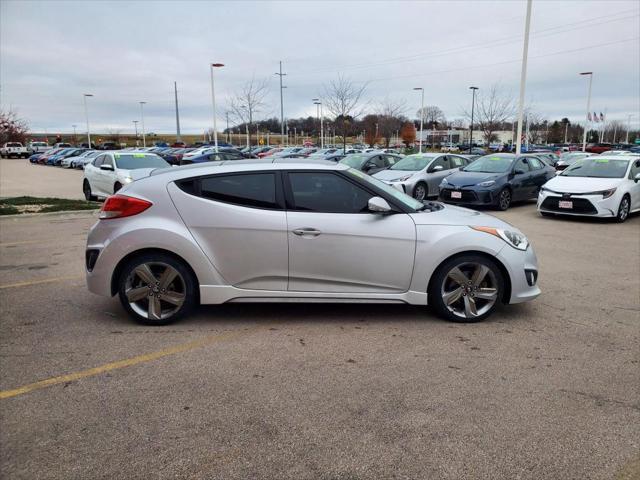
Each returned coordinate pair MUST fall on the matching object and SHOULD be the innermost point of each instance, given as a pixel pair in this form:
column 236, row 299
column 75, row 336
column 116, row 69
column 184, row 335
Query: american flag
column 601, row 117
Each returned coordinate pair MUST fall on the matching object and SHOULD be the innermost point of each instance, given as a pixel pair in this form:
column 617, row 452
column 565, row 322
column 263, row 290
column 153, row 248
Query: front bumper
column 523, row 271
column 468, row 196
column 581, row 205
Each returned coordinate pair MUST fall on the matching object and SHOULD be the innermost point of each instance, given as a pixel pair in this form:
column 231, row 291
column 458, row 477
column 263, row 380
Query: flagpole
column 584, row 136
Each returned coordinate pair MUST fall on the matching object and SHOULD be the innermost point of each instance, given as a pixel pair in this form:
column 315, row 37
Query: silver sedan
column 298, row 231
column 420, row 175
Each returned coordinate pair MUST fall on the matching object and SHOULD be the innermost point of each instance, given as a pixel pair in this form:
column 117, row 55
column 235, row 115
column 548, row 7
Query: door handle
column 307, row 231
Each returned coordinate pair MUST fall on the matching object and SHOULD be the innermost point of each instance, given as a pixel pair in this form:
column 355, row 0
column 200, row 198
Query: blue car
column 496, row 180
column 67, row 152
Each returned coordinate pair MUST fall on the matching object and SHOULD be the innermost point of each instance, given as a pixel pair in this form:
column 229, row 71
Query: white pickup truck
column 14, row 149
column 38, row 147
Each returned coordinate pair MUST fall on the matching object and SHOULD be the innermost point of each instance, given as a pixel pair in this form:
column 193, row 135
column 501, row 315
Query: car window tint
column 391, row 160
column 535, row 163
column 522, row 164
column 441, row 161
column 98, row 161
column 107, row 160
column 635, row 169
column 327, row 192
column 378, row 161
column 251, row 190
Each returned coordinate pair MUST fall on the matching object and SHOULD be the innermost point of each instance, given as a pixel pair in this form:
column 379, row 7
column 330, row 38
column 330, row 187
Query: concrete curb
column 63, row 212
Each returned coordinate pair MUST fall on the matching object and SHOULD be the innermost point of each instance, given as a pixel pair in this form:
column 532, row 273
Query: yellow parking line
column 38, row 282
column 119, row 364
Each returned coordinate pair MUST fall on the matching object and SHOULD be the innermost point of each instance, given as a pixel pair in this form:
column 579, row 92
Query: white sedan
column 109, row 172
column 596, row 186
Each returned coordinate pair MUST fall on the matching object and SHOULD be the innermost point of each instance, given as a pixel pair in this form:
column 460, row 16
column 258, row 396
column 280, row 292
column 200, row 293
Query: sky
column 52, row 52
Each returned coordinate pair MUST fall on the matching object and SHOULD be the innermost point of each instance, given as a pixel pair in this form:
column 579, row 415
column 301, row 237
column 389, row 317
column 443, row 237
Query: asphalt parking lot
column 548, row 389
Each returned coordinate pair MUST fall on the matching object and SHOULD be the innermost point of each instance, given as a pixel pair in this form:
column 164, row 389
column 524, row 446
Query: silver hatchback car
column 291, row 231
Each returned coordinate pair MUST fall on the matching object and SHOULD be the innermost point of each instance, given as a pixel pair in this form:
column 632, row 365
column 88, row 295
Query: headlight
column 488, row 183
column 515, row 239
column 444, row 181
column 608, row 193
column 403, row 179
column 127, row 179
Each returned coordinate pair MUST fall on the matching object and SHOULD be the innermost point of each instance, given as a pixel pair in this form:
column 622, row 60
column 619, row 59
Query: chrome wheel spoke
column 487, row 293
column 155, row 309
column 174, row 298
column 167, row 277
column 458, row 276
column 453, row 296
column 137, row 294
column 479, row 274
column 470, row 307
column 146, row 275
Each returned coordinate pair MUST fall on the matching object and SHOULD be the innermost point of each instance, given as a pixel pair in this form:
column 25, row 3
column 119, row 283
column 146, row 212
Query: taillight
column 118, row 206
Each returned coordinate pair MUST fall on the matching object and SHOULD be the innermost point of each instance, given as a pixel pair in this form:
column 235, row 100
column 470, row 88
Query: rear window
column 257, row 190
column 14, row 144
column 133, row 161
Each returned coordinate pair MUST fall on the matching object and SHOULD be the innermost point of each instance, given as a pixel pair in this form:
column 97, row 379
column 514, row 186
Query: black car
column 223, row 153
column 496, row 180
column 371, row 162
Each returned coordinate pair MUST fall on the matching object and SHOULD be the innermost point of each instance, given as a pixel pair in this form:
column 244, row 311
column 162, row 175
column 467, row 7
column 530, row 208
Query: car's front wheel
column 466, row 288
column 420, row 192
column 86, row 189
column 157, row 289
column 504, row 199
column 623, row 209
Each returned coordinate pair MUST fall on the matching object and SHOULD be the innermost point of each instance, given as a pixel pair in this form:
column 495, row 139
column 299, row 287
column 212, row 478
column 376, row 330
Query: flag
column 589, row 116
column 601, row 117
column 595, row 117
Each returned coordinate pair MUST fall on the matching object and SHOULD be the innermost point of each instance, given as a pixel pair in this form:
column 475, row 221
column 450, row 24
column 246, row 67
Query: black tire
column 117, row 187
column 188, row 286
column 421, row 187
column 503, row 201
column 547, row 214
column 439, row 278
column 624, row 209
column 86, row 189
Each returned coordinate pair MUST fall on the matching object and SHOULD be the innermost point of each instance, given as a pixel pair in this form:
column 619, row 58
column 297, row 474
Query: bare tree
column 493, row 108
column 432, row 116
column 342, row 99
column 248, row 102
column 12, row 128
column 390, row 118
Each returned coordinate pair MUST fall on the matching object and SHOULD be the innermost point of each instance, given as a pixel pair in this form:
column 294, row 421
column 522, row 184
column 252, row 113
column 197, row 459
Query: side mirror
column 379, row 205
column 437, row 168
column 106, row 167
column 637, row 178
column 518, row 171
column 369, row 166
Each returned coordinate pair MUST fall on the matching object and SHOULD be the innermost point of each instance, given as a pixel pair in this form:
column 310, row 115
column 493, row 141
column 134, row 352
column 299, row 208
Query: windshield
column 490, row 164
column 354, row 161
column 38, row 144
column 597, row 168
column 412, row 163
column 574, row 157
column 132, row 161
column 403, row 198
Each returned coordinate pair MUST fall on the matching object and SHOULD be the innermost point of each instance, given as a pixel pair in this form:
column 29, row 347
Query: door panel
column 247, row 245
column 350, row 252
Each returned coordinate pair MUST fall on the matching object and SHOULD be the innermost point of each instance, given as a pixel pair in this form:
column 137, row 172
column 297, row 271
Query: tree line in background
column 347, row 115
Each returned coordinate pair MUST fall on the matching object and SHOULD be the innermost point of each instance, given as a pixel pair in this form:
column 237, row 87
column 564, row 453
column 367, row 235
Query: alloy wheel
column 420, row 192
column 505, row 199
column 623, row 211
column 155, row 290
column 469, row 290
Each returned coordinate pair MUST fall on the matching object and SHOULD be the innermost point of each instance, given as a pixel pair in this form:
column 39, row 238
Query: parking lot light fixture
column 421, row 115
column 213, row 104
column 586, row 119
column 144, row 140
column 135, row 126
column 86, row 114
column 473, row 104
column 523, row 77
column 319, row 105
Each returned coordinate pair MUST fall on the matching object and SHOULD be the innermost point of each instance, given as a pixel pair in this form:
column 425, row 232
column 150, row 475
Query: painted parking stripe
column 129, row 362
column 38, row 282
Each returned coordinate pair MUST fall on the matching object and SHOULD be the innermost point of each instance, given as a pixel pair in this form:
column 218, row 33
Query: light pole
column 280, row 74
column 213, row 104
column 421, row 115
column 586, row 127
column 316, row 101
column 86, row 114
column 628, row 127
column 175, row 91
column 144, row 138
column 523, row 77
column 75, row 142
column 135, row 126
column 227, row 113
column 473, row 104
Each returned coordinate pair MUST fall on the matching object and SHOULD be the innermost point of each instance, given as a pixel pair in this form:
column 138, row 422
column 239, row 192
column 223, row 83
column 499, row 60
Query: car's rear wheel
column 86, row 189
column 157, row 289
column 421, row 191
column 466, row 288
column 623, row 209
column 504, row 199
column 117, row 187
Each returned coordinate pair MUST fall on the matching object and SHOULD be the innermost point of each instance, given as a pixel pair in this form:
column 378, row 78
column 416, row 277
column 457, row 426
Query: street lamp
column 280, row 74
column 75, row 142
column 144, row 139
column 584, row 136
column 86, row 114
column 318, row 103
column 628, row 127
column 473, row 104
column 135, row 126
column 523, row 77
column 213, row 103
column 421, row 115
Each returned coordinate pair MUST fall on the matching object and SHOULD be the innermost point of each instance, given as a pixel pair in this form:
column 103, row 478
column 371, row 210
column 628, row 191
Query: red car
column 270, row 152
column 45, row 156
column 599, row 147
